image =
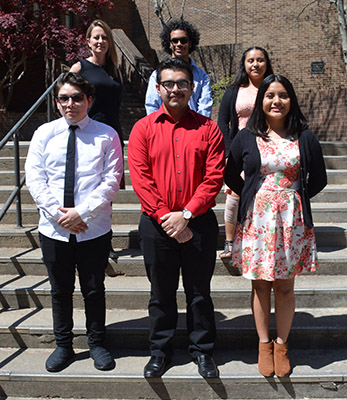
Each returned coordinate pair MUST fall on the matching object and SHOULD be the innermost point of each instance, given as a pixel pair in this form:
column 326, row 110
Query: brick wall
column 326, row 113
column 294, row 37
column 293, row 40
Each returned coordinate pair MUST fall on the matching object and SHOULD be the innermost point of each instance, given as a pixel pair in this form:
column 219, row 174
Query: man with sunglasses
column 179, row 39
column 73, row 170
column 176, row 163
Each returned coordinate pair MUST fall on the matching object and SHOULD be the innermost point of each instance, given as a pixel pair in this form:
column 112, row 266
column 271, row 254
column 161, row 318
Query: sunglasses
column 76, row 98
column 182, row 84
column 183, row 40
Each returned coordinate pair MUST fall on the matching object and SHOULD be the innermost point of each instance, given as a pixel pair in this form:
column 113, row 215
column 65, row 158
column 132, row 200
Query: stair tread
column 219, row 283
column 136, row 207
column 39, row 321
column 314, row 365
column 12, row 228
column 329, row 187
column 29, row 254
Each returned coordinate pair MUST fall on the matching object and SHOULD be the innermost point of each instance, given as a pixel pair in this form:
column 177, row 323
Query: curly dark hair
column 192, row 32
column 295, row 120
column 75, row 79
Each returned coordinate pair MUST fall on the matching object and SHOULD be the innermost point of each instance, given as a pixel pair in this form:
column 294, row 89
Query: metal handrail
column 130, row 61
column 13, row 133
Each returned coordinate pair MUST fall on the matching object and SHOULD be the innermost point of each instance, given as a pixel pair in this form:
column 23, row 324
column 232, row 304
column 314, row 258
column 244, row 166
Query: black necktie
column 70, row 169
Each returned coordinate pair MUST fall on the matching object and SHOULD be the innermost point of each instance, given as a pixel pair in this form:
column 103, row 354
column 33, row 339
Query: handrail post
column 49, row 107
column 17, row 179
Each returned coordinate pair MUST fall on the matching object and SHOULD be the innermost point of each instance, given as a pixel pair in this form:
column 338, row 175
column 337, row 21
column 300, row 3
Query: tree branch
column 342, row 18
column 307, row 5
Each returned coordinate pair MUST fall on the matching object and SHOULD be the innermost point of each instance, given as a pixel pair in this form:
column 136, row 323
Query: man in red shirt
column 176, row 163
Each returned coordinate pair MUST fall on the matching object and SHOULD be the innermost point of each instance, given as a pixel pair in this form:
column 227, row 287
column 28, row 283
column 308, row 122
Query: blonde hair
column 111, row 56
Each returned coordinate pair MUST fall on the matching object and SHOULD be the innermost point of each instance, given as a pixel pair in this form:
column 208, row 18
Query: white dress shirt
column 99, row 169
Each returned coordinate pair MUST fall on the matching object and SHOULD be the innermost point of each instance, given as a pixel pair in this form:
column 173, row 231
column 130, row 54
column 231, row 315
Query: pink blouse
column 245, row 104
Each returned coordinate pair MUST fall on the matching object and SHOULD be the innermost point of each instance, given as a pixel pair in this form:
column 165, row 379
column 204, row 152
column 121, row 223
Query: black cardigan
column 228, row 121
column 244, row 156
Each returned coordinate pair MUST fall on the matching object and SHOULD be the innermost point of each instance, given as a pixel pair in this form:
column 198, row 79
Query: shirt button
column 179, row 172
column 177, row 155
column 180, row 190
column 176, row 139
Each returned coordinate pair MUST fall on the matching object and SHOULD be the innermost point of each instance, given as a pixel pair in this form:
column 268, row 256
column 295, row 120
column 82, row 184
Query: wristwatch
column 187, row 214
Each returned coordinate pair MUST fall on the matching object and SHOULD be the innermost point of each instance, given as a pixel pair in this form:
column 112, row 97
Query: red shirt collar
column 162, row 114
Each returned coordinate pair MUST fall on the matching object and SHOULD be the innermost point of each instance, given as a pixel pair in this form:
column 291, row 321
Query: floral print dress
column 273, row 242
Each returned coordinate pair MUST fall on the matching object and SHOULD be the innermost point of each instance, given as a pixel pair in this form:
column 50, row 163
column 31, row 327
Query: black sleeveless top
column 108, row 94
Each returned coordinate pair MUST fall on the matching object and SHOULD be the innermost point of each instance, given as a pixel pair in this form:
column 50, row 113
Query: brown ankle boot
column 281, row 359
column 266, row 359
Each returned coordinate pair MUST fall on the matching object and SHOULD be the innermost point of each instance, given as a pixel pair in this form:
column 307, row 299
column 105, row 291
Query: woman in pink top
column 235, row 109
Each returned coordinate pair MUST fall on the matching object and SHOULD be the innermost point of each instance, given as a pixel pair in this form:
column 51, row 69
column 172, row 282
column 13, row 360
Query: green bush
column 219, row 88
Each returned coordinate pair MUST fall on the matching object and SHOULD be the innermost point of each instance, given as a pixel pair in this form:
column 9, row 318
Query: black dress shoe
column 60, row 359
column 156, row 366
column 113, row 255
column 102, row 358
column 206, row 366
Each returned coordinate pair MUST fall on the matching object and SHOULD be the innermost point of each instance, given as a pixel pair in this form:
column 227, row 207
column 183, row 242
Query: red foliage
column 25, row 26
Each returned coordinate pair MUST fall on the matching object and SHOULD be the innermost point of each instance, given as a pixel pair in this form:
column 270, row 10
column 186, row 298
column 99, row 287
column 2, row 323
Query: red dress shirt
column 176, row 165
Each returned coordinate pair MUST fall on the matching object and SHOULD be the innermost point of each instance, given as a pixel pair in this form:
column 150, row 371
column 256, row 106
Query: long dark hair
column 295, row 121
column 241, row 78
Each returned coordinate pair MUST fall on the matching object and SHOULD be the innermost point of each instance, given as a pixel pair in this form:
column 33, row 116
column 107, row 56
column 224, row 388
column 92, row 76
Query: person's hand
column 184, row 236
column 80, row 228
column 173, row 223
column 72, row 221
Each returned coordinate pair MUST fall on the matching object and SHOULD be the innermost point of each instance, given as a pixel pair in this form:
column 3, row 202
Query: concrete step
column 314, row 327
column 331, row 162
column 330, row 194
column 329, row 148
column 131, row 213
column 123, row 196
column 28, row 261
column 70, row 398
column 126, row 236
column 133, row 293
column 316, row 373
column 334, row 148
column 7, row 163
column 336, row 162
column 335, row 177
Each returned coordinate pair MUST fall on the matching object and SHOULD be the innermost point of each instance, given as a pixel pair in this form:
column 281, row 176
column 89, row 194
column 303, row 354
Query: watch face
column 187, row 214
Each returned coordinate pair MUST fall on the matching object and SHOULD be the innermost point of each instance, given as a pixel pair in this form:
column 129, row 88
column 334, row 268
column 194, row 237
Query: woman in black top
column 236, row 107
column 101, row 69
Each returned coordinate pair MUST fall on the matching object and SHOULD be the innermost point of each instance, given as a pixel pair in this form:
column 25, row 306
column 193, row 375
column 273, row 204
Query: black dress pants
column 164, row 257
column 90, row 257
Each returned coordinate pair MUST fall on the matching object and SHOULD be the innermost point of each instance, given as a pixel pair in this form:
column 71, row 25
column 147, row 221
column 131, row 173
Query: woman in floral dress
column 274, row 241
